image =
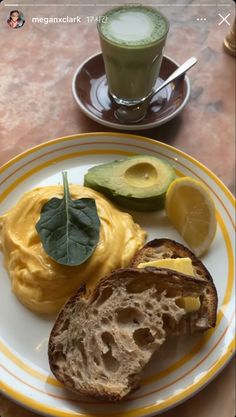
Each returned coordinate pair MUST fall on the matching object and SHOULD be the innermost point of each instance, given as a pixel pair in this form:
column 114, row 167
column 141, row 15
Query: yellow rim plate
column 174, row 374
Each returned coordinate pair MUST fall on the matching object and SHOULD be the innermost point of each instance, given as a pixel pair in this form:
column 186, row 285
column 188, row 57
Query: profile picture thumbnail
column 16, row 19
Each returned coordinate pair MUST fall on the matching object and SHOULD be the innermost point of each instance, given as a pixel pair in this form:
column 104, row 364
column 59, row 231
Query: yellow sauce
column 42, row 284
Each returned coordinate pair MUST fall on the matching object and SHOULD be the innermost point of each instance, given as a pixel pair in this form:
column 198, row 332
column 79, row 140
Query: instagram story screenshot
column 117, row 208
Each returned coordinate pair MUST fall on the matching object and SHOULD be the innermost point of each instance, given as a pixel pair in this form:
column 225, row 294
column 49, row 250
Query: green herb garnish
column 69, row 229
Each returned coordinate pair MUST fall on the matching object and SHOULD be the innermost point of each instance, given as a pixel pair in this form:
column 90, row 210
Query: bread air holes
column 110, row 363
column 108, row 339
column 148, row 306
column 128, row 316
column 103, row 296
column 143, row 337
column 165, row 307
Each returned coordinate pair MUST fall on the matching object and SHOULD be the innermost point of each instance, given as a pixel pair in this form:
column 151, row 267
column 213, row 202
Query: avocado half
column 138, row 182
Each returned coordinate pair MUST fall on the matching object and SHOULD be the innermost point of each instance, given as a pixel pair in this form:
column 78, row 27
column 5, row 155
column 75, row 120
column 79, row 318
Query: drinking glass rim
column 133, row 6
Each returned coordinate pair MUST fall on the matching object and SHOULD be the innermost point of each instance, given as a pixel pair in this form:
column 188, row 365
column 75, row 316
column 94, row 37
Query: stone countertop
column 36, row 105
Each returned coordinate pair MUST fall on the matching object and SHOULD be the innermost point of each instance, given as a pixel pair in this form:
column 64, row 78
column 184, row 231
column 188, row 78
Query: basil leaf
column 69, row 229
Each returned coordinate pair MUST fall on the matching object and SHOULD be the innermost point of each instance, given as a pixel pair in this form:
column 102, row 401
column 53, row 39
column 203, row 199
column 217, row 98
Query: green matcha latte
column 132, row 40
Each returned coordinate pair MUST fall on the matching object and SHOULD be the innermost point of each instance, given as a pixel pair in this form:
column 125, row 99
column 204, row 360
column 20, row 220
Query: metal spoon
column 134, row 114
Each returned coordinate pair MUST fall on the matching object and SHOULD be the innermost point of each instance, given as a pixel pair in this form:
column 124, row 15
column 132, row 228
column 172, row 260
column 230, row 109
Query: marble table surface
column 36, row 68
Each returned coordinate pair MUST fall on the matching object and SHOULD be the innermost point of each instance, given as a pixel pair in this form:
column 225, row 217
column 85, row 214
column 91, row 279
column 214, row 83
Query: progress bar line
column 45, row 4
column 116, row 5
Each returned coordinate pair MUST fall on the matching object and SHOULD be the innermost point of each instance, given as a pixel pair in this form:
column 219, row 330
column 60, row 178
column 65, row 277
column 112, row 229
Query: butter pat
column 190, row 304
column 183, row 265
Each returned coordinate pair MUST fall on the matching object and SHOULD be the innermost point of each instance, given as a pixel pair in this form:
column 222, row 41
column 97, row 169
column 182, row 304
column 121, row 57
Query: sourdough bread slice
column 167, row 248
column 101, row 341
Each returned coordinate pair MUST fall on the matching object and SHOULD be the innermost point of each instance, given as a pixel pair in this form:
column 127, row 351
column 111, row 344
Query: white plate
column 179, row 370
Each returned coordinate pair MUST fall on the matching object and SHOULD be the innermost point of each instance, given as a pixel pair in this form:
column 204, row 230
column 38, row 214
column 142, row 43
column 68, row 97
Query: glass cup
column 132, row 39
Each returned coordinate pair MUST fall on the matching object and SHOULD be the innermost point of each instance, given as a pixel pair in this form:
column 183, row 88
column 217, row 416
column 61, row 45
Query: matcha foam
column 134, row 26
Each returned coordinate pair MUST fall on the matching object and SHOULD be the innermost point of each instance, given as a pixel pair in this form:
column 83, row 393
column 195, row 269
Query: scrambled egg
column 39, row 282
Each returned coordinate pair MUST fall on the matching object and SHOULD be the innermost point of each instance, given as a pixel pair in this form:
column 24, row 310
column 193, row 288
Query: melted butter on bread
column 183, row 265
column 190, row 304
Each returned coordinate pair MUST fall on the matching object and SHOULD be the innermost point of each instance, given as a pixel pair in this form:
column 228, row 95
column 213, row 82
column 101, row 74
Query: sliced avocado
column 138, row 182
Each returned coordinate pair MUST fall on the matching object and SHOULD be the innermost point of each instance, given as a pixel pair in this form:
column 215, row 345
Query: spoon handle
column 136, row 113
column 181, row 70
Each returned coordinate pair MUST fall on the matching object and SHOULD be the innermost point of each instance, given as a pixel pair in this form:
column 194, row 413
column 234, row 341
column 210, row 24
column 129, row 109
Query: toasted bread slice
column 101, row 341
column 167, row 248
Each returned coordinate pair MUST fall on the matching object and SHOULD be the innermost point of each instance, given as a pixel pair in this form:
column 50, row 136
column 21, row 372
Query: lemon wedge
column 191, row 210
